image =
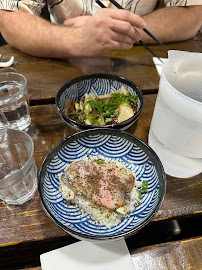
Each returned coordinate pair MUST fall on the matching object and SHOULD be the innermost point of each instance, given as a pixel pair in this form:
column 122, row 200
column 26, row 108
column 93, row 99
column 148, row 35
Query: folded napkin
column 89, row 256
column 158, row 64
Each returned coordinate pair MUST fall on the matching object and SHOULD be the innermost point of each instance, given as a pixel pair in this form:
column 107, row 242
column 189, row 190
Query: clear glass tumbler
column 14, row 105
column 18, row 171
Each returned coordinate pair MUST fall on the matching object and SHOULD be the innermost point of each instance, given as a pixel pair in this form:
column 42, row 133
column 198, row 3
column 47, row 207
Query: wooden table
column 26, row 231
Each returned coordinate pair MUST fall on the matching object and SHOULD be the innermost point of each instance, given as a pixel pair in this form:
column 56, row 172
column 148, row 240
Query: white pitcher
column 176, row 127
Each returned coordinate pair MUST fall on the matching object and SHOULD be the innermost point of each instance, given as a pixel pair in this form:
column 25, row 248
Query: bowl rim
column 83, row 126
column 119, row 133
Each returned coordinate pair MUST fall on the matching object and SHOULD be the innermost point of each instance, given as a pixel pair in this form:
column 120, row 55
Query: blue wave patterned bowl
column 98, row 84
column 115, row 145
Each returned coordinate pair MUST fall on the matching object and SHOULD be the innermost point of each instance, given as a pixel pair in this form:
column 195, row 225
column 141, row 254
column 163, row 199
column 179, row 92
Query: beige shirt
column 61, row 10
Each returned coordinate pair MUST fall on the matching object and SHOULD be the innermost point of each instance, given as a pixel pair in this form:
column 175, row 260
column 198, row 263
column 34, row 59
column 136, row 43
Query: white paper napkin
column 89, row 256
column 158, row 64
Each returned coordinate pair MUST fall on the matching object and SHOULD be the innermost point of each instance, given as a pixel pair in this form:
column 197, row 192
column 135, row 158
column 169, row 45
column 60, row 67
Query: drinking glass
column 14, row 105
column 18, row 172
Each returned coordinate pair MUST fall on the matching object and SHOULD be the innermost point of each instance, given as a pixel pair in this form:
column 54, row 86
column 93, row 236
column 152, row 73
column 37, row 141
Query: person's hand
column 77, row 21
column 106, row 30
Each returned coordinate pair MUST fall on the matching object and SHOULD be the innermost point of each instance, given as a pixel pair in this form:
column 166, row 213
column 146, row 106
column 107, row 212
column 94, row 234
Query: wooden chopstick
column 146, row 30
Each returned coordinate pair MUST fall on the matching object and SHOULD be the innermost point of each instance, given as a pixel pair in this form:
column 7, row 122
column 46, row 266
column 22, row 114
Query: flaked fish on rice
column 104, row 189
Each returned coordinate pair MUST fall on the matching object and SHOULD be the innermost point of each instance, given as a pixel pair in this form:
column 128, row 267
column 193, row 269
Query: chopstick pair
column 145, row 30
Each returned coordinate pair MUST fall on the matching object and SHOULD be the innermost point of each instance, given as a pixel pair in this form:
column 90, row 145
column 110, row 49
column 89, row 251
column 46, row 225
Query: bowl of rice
column 95, row 100
column 101, row 184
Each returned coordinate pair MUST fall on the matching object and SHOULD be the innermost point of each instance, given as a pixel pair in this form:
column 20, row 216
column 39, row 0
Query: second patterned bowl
column 114, row 145
column 97, row 84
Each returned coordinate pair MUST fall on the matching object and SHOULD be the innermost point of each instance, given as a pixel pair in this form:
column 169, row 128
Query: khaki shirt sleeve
column 31, row 6
column 174, row 3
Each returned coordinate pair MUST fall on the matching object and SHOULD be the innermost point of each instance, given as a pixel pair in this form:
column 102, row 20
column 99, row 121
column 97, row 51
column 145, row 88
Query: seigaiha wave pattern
column 107, row 146
column 97, row 86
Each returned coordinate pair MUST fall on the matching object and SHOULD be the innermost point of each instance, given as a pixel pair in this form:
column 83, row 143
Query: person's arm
column 105, row 30
column 173, row 23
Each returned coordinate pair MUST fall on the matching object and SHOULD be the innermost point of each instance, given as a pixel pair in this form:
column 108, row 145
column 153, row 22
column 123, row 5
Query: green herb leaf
column 99, row 161
column 144, row 189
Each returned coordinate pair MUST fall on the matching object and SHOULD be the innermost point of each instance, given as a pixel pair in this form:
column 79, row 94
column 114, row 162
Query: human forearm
column 173, row 23
column 94, row 35
column 33, row 35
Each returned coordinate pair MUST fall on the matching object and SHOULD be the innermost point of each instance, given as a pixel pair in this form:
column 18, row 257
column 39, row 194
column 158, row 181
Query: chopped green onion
column 104, row 110
column 145, row 185
column 108, row 120
column 88, row 108
column 116, row 113
column 144, row 189
column 77, row 106
column 99, row 161
column 81, row 105
column 81, row 117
